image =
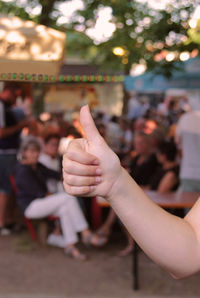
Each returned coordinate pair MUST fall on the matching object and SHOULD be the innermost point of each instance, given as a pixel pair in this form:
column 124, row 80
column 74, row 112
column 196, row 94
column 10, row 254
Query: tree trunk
column 126, row 96
column 47, row 8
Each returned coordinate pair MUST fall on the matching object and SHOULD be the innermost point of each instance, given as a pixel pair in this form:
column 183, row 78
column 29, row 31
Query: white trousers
column 64, row 206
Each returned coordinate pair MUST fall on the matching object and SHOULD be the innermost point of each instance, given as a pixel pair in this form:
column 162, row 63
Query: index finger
column 78, row 154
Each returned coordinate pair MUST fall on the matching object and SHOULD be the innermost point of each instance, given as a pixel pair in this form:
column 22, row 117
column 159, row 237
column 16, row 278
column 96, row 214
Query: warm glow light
column 45, row 117
column 170, row 57
column 118, row 51
column 184, row 56
column 10, row 23
column 137, row 69
column 158, row 57
column 29, row 24
column 40, row 28
column 15, row 37
column 2, row 33
column 125, row 60
column 35, row 49
column 194, row 53
column 29, row 44
column 193, row 23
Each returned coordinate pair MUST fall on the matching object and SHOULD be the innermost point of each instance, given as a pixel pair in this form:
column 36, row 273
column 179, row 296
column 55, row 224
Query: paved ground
column 29, row 271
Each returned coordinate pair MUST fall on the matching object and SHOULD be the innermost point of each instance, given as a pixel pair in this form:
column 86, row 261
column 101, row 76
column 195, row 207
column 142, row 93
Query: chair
column 28, row 221
column 96, row 214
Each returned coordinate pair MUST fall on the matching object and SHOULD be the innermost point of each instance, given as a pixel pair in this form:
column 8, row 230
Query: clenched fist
column 90, row 167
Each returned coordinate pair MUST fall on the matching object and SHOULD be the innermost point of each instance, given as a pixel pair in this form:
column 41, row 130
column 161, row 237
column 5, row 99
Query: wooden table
column 172, row 200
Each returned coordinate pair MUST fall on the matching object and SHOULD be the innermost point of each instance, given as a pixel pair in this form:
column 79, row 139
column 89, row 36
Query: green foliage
column 140, row 30
column 84, row 48
column 194, row 34
column 10, row 8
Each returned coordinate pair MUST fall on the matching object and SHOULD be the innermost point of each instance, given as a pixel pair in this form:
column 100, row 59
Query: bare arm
column 7, row 131
column 170, row 241
column 91, row 168
column 167, row 182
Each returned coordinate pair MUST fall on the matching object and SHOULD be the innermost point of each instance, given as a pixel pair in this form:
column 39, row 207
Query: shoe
column 4, row 231
column 74, row 253
column 14, row 227
column 56, row 240
column 94, row 240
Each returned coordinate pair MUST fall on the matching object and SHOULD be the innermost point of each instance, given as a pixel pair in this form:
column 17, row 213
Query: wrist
column 119, row 186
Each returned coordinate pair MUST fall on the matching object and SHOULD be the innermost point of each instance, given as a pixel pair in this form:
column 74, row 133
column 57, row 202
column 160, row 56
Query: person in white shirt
column 50, row 158
column 188, row 138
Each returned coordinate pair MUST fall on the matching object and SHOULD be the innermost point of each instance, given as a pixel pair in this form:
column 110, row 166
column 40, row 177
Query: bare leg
column 128, row 249
column 90, row 238
column 72, row 251
column 105, row 229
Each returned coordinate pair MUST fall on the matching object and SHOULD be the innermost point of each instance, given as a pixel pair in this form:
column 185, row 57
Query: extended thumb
column 88, row 125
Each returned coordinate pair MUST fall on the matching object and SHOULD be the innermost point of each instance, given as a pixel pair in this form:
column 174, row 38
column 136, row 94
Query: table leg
column 135, row 267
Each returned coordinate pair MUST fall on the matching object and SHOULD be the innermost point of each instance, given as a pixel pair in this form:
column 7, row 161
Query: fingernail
column 98, row 179
column 98, row 171
column 92, row 187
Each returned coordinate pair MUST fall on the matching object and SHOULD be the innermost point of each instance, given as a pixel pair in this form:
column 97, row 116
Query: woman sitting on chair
column 34, row 200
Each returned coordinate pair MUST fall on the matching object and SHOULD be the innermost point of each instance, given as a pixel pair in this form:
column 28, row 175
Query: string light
column 61, row 78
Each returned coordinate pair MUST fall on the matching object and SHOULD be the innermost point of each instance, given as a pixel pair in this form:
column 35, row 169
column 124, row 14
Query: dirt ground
column 28, row 270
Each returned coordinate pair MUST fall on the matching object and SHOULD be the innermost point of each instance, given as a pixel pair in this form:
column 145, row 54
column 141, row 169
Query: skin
column 91, row 168
column 51, row 147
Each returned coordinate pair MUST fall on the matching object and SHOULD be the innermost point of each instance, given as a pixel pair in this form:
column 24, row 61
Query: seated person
column 49, row 157
column 35, row 202
column 144, row 163
column 166, row 177
column 142, row 166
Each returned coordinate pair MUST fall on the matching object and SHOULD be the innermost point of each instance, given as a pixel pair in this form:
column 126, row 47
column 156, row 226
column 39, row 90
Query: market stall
column 26, row 47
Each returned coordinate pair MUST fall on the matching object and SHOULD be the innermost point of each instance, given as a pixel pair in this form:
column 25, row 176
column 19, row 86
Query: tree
column 142, row 32
column 146, row 35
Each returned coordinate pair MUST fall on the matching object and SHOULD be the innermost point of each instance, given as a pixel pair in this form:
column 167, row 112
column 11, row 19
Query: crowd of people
column 149, row 141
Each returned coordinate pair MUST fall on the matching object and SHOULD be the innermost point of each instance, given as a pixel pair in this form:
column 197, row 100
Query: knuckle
column 91, row 181
column 85, row 190
column 70, row 179
column 69, row 189
column 69, row 154
column 66, row 187
column 67, row 166
column 92, row 170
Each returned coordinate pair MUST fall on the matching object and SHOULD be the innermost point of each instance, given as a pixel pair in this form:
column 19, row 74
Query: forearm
column 168, row 240
column 8, row 131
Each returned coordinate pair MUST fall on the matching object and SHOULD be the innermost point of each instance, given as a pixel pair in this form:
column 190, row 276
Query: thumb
column 88, row 125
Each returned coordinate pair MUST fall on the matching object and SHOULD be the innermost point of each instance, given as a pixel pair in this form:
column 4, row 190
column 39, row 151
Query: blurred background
column 137, row 65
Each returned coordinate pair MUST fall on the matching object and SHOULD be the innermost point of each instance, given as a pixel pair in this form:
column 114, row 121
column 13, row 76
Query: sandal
column 126, row 251
column 101, row 233
column 94, row 240
column 74, row 253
